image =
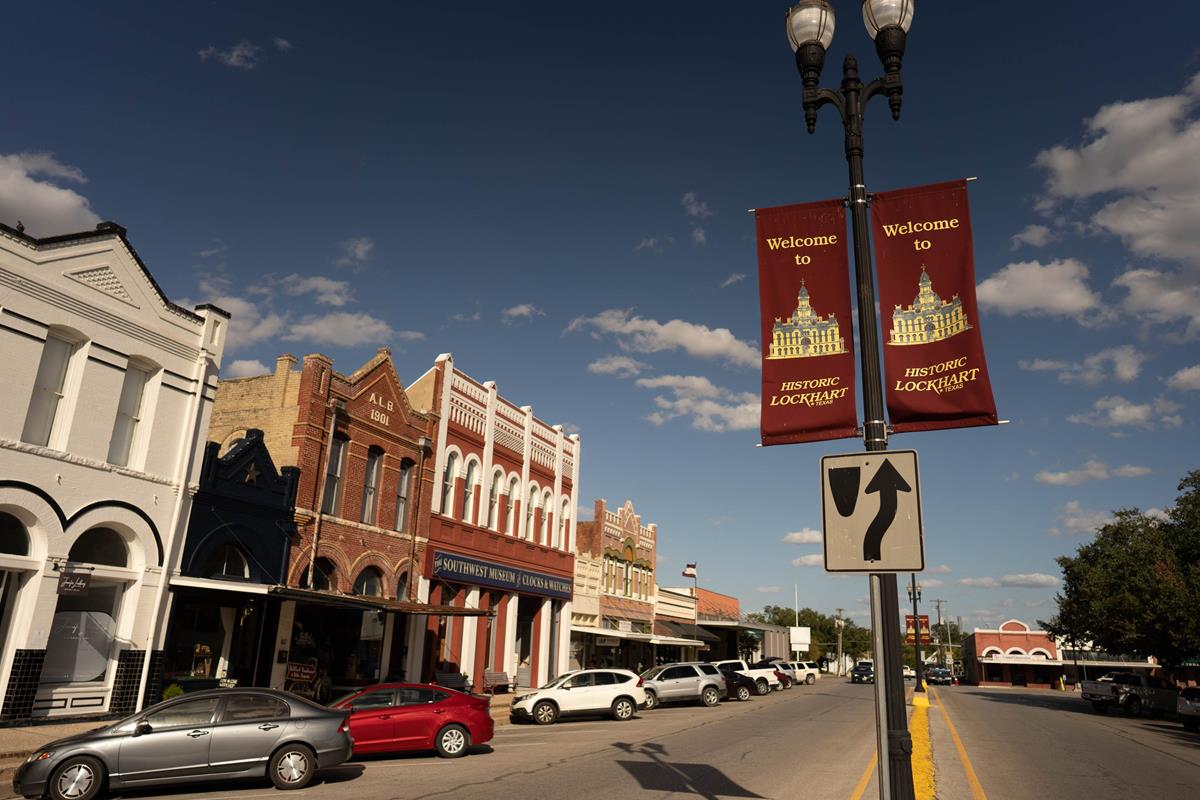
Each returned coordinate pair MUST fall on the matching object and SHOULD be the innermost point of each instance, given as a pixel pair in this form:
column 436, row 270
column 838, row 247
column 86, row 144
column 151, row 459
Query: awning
column 219, row 585
column 1029, row 661
column 682, row 630
column 328, row 598
column 614, row 634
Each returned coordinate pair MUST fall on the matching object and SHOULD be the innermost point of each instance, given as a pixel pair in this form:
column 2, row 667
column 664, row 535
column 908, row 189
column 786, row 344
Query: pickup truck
column 1136, row 694
column 764, row 678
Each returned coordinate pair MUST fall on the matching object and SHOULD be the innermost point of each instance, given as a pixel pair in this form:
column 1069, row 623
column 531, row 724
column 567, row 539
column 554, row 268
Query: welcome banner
column 936, row 374
column 807, row 341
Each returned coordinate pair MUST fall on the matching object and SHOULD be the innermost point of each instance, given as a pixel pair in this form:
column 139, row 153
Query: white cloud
column 243, row 55
column 45, row 208
column 1161, row 298
column 651, row 243
column 695, row 207
column 355, row 252
column 525, row 311
column 1077, row 519
column 1116, row 412
column 1033, row 236
column 1122, row 364
column 768, row 589
column 245, row 368
column 282, row 45
column 326, row 291
column 942, row 569
column 346, row 329
column 641, row 335
column 699, row 237
column 736, row 277
column 711, row 407
column 932, row 583
column 621, row 366
column 1022, row 580
column 806, row 536
column 473, row 317
column 1091, row 471
column 812, row 560
column 1185, row 380
column 1157, row 513
column 1058, row 288
column 980, row 583
column 250, row 322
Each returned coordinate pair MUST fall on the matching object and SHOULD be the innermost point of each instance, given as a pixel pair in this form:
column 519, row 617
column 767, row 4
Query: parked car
column 616, row 692
column 910, row 674
column 785, row 679
column 806, row 672
column 391, row 717
column 1188, row 708
column 1136, row 694
column 210, row 735
column 691, row 682
column 778, row 664
column 765, row 678
column 863, row 672
column 939, row 675
column 737, row 685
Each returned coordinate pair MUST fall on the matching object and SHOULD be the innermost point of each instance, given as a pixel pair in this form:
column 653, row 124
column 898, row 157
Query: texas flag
column 689, row 571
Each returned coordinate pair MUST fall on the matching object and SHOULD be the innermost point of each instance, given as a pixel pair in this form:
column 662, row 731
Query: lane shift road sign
column 871, row 507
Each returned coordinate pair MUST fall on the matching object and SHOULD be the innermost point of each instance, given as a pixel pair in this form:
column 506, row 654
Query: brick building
column 362, row 514
column 502, row 534
column 1011, row 655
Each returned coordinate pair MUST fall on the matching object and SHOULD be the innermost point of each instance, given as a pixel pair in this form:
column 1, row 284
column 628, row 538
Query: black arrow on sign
column 887, row 481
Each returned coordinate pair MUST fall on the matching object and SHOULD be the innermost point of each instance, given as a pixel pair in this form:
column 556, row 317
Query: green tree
column 1135, row 588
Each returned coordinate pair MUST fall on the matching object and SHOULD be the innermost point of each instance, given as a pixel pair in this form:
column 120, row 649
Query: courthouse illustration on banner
column 804, row 293
column 936, row 374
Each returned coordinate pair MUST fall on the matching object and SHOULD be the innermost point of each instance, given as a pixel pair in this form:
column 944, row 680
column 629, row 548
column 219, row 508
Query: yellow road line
column 924, row 786
column 861, row 786
column 977, row 792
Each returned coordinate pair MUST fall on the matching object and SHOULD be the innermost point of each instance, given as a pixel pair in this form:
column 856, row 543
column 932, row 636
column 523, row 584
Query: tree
column 856, row 641
column 1135, row 588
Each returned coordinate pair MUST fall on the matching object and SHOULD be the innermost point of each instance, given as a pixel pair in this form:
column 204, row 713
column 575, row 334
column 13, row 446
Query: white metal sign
column 871, row 510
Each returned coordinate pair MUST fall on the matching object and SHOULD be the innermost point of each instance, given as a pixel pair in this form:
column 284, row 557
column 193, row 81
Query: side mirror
column 141, row 728
column 566, row 686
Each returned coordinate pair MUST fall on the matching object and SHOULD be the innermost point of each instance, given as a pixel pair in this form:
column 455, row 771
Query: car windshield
column 559, row 681
column 652, row 673
column 342, row 699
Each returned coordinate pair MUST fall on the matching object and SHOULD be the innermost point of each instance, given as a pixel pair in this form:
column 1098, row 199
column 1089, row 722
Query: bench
column 452, row 680
column 493, row 681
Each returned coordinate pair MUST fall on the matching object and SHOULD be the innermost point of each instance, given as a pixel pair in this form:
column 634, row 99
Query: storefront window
column 342, row 645
column 81, row 635
column 100, row 546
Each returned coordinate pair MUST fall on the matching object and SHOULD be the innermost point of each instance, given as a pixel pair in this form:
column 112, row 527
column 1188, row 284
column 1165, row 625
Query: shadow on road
column 413, row 755
column 1056, row 701
column 659, row 775
column 338, row 774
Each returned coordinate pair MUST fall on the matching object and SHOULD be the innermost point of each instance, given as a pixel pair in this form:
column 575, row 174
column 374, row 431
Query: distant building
column 805, row 333
column 1011, row 655
column 108, row 387
column 929, row 318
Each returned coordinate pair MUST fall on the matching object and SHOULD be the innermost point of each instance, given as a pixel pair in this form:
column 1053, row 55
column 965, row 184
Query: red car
column 390, row 717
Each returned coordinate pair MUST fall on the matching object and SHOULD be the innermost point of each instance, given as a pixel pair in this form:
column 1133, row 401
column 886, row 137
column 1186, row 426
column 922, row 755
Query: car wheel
column 710, row 697
column 762, row 686
column 779, row 687
column 811, row 679
column 622, row 709
column 452, row 741
column 651, row 700
column 545, row 712
column 1133, row 706
column 292, row 767
column 743, row 693
column 79, row 778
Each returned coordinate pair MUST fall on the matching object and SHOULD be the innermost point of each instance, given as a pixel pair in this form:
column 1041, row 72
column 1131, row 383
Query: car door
column 371, row 720
column 420, row 712
column 675, row 682
column 246, row 731
column 176, row 745
column 578, row 693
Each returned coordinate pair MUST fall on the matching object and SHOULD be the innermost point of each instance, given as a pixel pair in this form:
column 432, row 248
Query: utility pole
column 941, row 642
column 839, row 624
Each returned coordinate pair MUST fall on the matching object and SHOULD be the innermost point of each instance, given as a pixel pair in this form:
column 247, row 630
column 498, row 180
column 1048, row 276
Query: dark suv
column 863, row 672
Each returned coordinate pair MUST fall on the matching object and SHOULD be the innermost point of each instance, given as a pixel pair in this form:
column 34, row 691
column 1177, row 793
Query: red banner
column 936, row 375
column 807, row 341
column 910, row 629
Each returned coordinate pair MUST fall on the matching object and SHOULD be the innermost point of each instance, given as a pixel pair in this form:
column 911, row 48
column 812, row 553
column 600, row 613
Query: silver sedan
column 203, row 736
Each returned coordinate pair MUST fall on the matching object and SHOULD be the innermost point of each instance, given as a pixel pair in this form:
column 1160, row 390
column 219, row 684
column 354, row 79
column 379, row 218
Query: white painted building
column 106, row 395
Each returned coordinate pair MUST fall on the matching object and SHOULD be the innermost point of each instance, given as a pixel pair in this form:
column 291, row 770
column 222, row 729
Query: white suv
column 806, row 671
column 615, row 692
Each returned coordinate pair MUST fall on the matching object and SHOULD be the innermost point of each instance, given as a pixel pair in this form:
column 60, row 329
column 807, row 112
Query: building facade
column 502, row 532
column 1011, row 655
column 108, row 390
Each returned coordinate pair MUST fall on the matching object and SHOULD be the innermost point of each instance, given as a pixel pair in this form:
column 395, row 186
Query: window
column 81, row 635
column 448, row 476
column 411, row 696
column 369, row 583
column 582, row 680
column 609, row 678
column 14, row 539
column 402, row 586
column 406, row 468
column 381, row 698
column 47, row 390
column 324, row 578
column 469, row 493
column 493, row 519
column 561, row 542
column 529, row 506
column 709, row 669
column 129, row 410
column 676, row 673
column 511, row 514
column 371, row 484
column 100, row 546
column 545, row 520
column 227, row 562
column 253, row 708
column 190, row 713
column 333, row 476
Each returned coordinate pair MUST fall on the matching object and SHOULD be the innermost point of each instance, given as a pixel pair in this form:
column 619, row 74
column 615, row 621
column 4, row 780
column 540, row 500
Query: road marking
column 977, row 792
column 924, row 785
column 861, row 786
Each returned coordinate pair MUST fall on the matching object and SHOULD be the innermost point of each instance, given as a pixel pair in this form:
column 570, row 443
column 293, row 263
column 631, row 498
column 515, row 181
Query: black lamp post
column 810, row 26
column 914, row 595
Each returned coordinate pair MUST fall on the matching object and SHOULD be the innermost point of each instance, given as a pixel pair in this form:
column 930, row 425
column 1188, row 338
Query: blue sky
column 557, row 195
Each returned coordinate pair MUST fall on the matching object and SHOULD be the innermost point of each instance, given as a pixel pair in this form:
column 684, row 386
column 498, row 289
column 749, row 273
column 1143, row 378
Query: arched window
column 402, row 586
column 511, row 517
column 530, row 505
column 493, row 519
column 100, row 546
column 227, row 562
column 406, row 468
column 448, row 477
column 369, row 583
column 14, row 539
column 371, row 484
column 545, row 519
column 469, row 493
column 561, row 542
column 324, row 578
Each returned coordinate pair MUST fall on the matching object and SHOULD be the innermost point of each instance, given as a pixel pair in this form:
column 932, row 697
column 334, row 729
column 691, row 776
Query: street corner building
column 501, row 535
column 348, row 611
column 107, row 394
column 1011, row 655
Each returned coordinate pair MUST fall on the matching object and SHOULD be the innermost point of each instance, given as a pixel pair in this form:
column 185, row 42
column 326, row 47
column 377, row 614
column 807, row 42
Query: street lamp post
column 810, row 30
column 914, row 594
